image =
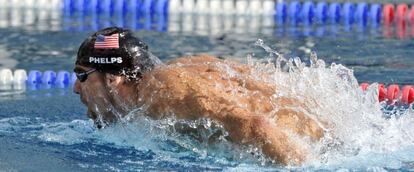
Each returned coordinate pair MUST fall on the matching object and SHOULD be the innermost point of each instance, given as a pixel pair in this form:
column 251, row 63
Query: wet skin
column 99, row 96
column 200, row 87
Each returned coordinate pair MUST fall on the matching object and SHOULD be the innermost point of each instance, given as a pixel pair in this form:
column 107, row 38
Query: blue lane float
column 104, row 6
column 322, row 11
column 131, row 6
column 115, row 6
column 34, row 77
column 135, row 20
column 294, row 10
column 162, row 6
column 63, row 77
column 78, row 5
column 118, row 6
column 334, row 12
column 133, row 14
column 281, row 11
column 375, row 13
column 91, row 5
column 66, row 6
column 49, row 77
column 307, row 12
column 362, row 12
column 348, row 12
column 148, row 6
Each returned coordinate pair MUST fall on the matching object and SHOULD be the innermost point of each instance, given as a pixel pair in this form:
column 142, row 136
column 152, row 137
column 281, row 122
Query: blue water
column 47, row 129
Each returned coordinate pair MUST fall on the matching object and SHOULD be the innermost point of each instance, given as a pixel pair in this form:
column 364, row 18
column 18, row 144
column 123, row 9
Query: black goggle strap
column 84, row 75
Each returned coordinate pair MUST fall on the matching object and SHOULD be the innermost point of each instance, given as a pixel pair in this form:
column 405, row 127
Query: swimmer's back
column 200, row 84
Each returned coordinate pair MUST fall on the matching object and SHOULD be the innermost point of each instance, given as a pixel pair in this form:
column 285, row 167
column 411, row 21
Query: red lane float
column 408, row 94
column 388, row 13
column 392, row 92
column 402, row 10
column 411, row 15
column 401, row 29
column 381, row 92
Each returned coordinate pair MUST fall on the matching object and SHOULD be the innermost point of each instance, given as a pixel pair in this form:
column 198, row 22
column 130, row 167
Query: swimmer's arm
column 258, row 131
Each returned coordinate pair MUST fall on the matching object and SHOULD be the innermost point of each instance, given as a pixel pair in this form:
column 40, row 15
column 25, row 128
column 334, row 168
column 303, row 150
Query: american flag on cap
column 106, row 42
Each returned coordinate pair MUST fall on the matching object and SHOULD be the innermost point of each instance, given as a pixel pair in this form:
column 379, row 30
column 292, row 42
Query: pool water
column 47, row 129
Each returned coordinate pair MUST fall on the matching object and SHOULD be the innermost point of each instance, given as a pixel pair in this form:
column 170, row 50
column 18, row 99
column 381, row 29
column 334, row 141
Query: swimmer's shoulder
column 201, row 63
column 194, row 59
column 178, row 74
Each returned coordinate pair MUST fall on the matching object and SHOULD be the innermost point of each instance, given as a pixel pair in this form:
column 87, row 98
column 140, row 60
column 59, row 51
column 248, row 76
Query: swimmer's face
column 97, row 95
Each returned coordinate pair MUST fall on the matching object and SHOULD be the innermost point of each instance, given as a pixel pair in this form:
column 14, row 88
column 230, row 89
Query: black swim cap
column 117, row 51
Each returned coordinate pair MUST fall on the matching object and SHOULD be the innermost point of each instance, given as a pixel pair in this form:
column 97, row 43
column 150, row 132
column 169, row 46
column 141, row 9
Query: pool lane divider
column 295, row 10
column 63, row 79
column 348, row 12
column 393, row 93
column 304, row 11
column 156, row 12
column 34, row 78
column 160, row 23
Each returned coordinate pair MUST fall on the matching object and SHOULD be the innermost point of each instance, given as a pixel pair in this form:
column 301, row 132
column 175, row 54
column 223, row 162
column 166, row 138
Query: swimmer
column 117, row 73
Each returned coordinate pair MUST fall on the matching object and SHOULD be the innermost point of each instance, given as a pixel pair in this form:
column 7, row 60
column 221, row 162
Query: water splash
column 356, row 119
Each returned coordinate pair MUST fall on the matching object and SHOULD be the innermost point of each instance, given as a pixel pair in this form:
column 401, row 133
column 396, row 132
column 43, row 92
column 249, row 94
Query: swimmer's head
column 109, row 64
column 117, row 51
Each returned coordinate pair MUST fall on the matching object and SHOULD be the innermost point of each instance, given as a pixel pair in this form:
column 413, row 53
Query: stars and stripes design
column 107, row 42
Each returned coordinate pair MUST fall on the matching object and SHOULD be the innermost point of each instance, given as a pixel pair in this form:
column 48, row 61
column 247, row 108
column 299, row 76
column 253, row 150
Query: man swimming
column 117, row 74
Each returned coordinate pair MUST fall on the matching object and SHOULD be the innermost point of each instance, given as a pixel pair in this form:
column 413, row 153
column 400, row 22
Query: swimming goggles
column 82, row 76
